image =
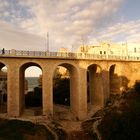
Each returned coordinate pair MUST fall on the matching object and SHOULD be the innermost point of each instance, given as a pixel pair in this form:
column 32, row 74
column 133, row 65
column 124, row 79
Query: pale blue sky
column 130, row 10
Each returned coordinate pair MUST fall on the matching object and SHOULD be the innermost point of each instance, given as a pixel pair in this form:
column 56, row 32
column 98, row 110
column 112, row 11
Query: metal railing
column 67, row 55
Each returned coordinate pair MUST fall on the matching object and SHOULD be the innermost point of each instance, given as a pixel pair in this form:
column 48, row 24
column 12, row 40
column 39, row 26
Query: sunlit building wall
column 104, row 48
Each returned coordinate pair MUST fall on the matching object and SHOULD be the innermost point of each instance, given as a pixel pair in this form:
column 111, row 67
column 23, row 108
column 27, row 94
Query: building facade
column 104, row 48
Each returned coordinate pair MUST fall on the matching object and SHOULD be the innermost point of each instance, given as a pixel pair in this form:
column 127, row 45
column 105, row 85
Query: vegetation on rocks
column 23, row 130
column 61, row 93
column 34, row 98
column 58, row 130
column 120, row 119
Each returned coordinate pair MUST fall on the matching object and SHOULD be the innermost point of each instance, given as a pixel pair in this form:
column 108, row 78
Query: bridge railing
column 68, row 55
column 6, row 52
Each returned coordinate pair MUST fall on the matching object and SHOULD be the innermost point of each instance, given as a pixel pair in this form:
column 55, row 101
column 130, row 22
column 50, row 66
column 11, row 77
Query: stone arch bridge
column 106, row 75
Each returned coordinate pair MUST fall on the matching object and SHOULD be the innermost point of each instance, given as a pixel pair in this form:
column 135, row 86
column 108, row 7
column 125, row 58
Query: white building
column 104, row 48
column 134, row 49
column 63, row 50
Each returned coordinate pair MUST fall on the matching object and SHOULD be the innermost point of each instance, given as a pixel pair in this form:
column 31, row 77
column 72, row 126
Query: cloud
column 12, row 37
column 67, row 21
column 128, row 31
column 3, row 4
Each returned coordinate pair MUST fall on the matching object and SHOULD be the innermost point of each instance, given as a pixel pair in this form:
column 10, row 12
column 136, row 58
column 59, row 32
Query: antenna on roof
column 47, row 41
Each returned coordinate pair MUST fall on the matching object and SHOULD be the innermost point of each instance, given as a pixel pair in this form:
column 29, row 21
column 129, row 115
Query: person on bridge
column 3, row 51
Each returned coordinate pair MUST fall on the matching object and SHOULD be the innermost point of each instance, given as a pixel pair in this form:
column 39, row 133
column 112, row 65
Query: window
column 100, row 52
column 135, row 50
column 104, row 52
column 111, row 52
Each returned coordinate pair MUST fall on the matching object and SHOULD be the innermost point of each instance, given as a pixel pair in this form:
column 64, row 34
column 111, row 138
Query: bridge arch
column 3, row 87
column 118, row 78
column 28, row 64
column 94, row 86
column 23, row 97
column 73, row 76
column 2, row 65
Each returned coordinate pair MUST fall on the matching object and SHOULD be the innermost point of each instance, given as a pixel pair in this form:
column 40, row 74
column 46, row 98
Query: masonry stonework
column 104, row 77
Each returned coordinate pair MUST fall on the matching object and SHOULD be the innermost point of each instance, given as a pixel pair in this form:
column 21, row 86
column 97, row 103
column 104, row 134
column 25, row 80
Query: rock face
column 118, row 120
column 24, row 130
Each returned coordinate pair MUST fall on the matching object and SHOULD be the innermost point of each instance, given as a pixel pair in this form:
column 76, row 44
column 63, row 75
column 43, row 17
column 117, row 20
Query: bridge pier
column 47, row 94
column 78, row 95
column 96, row 90
column 13, row 103
column 82, row 94
column 106, row 86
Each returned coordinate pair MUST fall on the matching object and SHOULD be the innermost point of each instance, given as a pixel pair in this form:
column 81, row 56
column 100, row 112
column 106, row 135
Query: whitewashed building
column 104, row 48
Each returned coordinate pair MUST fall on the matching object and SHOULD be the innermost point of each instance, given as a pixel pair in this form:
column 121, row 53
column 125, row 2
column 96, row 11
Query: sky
column 24, row 24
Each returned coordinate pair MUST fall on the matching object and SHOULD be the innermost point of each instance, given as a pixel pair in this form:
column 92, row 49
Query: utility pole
column 126, row 48
column 72, row 48
column 83, row 41
column 47, row 41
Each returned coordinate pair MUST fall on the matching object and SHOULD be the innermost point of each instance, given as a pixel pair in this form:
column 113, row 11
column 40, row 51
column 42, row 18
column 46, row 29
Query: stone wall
column 103, row 81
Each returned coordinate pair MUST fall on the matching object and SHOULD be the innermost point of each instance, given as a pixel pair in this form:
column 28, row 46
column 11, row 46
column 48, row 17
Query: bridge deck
column 65, row 55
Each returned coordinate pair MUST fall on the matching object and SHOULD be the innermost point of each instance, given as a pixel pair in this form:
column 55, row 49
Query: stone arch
column 22, row 69
column 28, row 64
column 3, row 88
column 73, row 74
column 2, row 65
column 114, row 79
column 118, row 80
column 95, row 85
